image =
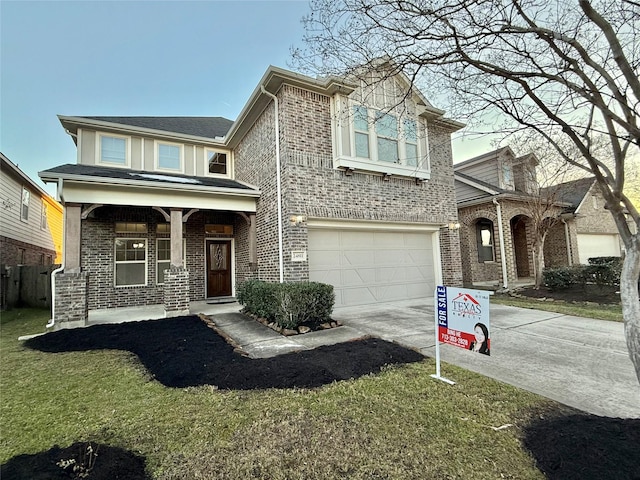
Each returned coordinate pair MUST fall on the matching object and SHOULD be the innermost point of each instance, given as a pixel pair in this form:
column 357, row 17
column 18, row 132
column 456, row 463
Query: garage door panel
column 357, row 258
column 357, row 239
column 357, row 296
column 357, row 277
column 324, row 258
column 366, row 266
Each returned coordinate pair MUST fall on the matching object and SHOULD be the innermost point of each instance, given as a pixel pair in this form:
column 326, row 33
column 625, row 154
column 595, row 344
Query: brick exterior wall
column 11, row 253
column 312, row 187
column 97, row 254
column 176, row 292
column 71, row 308
column 518, row 243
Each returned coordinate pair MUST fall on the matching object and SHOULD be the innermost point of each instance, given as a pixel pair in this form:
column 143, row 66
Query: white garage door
column 597, row 245
column 367, row 266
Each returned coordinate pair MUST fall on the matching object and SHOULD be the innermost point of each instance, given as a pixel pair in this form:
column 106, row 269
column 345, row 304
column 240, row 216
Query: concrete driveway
column 577, row 361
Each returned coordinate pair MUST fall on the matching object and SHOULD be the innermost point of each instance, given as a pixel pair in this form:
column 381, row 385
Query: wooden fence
column 25, row 286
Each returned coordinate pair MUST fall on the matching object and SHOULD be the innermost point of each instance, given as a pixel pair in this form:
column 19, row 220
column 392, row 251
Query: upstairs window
column 169, row 157
column 216, row 162
column 113, row 150
column 387, row 137
column 24, row 210
column 361, row 131
column 43, row 218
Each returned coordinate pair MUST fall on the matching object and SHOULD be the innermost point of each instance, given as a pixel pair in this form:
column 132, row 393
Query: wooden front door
column 218, row 268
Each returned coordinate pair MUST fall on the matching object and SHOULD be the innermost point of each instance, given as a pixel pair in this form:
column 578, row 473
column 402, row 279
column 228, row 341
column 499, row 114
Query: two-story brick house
column 344, row 182
column 498, row 196
column 493, row 192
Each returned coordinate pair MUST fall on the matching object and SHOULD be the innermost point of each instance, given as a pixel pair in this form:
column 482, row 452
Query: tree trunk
column 630, row 301
column 538, row 259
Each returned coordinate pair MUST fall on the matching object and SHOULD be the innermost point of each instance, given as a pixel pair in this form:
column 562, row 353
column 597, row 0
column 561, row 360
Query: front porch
column 157, row 311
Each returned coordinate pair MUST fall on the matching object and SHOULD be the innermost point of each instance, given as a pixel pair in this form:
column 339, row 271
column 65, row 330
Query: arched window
column 484, row 239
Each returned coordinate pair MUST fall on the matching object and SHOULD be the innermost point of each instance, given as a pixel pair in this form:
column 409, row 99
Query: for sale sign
column 463, row 318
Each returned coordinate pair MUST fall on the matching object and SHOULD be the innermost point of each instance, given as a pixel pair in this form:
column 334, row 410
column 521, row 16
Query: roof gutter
column 149, row 184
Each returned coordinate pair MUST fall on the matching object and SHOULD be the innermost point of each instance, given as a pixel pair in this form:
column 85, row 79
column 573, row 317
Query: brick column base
column 71, row 309
column 176, row 292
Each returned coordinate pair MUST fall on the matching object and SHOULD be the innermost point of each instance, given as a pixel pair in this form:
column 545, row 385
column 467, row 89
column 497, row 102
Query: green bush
column 259, row 298
column 604, row 271
column 288, row 304
column 563, row 277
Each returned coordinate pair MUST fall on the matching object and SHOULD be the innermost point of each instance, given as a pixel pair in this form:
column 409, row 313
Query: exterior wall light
column 453, row 225
column 297, row 219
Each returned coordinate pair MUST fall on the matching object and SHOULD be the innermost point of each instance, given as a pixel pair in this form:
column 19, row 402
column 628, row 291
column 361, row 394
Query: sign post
column 461, row 320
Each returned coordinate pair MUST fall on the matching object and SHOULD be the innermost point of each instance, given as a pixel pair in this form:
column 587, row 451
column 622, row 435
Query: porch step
column 221, row 300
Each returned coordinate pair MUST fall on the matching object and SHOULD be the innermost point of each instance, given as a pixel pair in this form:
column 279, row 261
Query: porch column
column 70, row 287
column 72, row 229
column 176, row 237
column 176, row 279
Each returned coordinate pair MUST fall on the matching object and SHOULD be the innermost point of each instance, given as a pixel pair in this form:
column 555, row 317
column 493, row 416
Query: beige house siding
column 43, row 236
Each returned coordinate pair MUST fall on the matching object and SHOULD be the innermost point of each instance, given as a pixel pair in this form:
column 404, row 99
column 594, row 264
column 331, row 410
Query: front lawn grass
column 589, row 310
column 399, row 424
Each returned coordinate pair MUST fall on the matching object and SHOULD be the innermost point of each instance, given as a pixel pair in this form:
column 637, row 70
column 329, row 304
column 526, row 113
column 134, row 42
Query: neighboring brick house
column 317, row 179
column 494, row 192
column 30, row 220
column 594, row 232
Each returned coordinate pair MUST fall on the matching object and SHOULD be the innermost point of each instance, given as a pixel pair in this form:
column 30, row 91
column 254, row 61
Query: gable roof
column 209, row 127
column 8, row 165
column 489, row 156
column 572, row 192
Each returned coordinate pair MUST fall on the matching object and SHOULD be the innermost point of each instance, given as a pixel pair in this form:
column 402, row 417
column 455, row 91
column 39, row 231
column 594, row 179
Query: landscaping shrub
column 288, row 304
column 604, row 271
column 259, row 298
column 563, row 277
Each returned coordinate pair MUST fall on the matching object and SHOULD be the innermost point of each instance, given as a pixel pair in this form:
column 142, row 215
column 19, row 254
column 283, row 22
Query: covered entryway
column 521, row 246
column 218, row 268
column 367, row 264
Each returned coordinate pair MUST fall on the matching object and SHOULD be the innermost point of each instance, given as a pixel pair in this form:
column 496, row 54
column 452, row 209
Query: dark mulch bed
column 603, row 295
column 184, row 352
column 110, row 463
column 585, row 447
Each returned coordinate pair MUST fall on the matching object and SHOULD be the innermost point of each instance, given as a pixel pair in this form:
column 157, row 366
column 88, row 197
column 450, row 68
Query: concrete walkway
column 580, row 362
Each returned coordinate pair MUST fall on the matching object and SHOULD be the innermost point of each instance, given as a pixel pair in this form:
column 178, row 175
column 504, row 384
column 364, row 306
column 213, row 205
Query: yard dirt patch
column 104, row 463
column 184, row 352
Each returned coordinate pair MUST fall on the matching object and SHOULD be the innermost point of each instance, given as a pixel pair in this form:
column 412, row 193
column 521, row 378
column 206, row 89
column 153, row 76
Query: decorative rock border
column 300, row 330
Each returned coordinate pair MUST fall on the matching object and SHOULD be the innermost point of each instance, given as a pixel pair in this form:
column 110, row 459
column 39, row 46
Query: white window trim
column 146, row 262
column 22, row 204
column 127, row 150
column 205, row 162
column 184, row 255
column 156, row 156
column 43, row 216
column 422, row 170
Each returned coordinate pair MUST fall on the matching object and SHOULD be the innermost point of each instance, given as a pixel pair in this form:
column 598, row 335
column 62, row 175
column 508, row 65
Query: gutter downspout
column 503, row 258
column 568, row 240
column 52, row 320
column 278, row 181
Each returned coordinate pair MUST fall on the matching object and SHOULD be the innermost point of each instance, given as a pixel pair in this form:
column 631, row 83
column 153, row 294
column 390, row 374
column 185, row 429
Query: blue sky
column 201, row 58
